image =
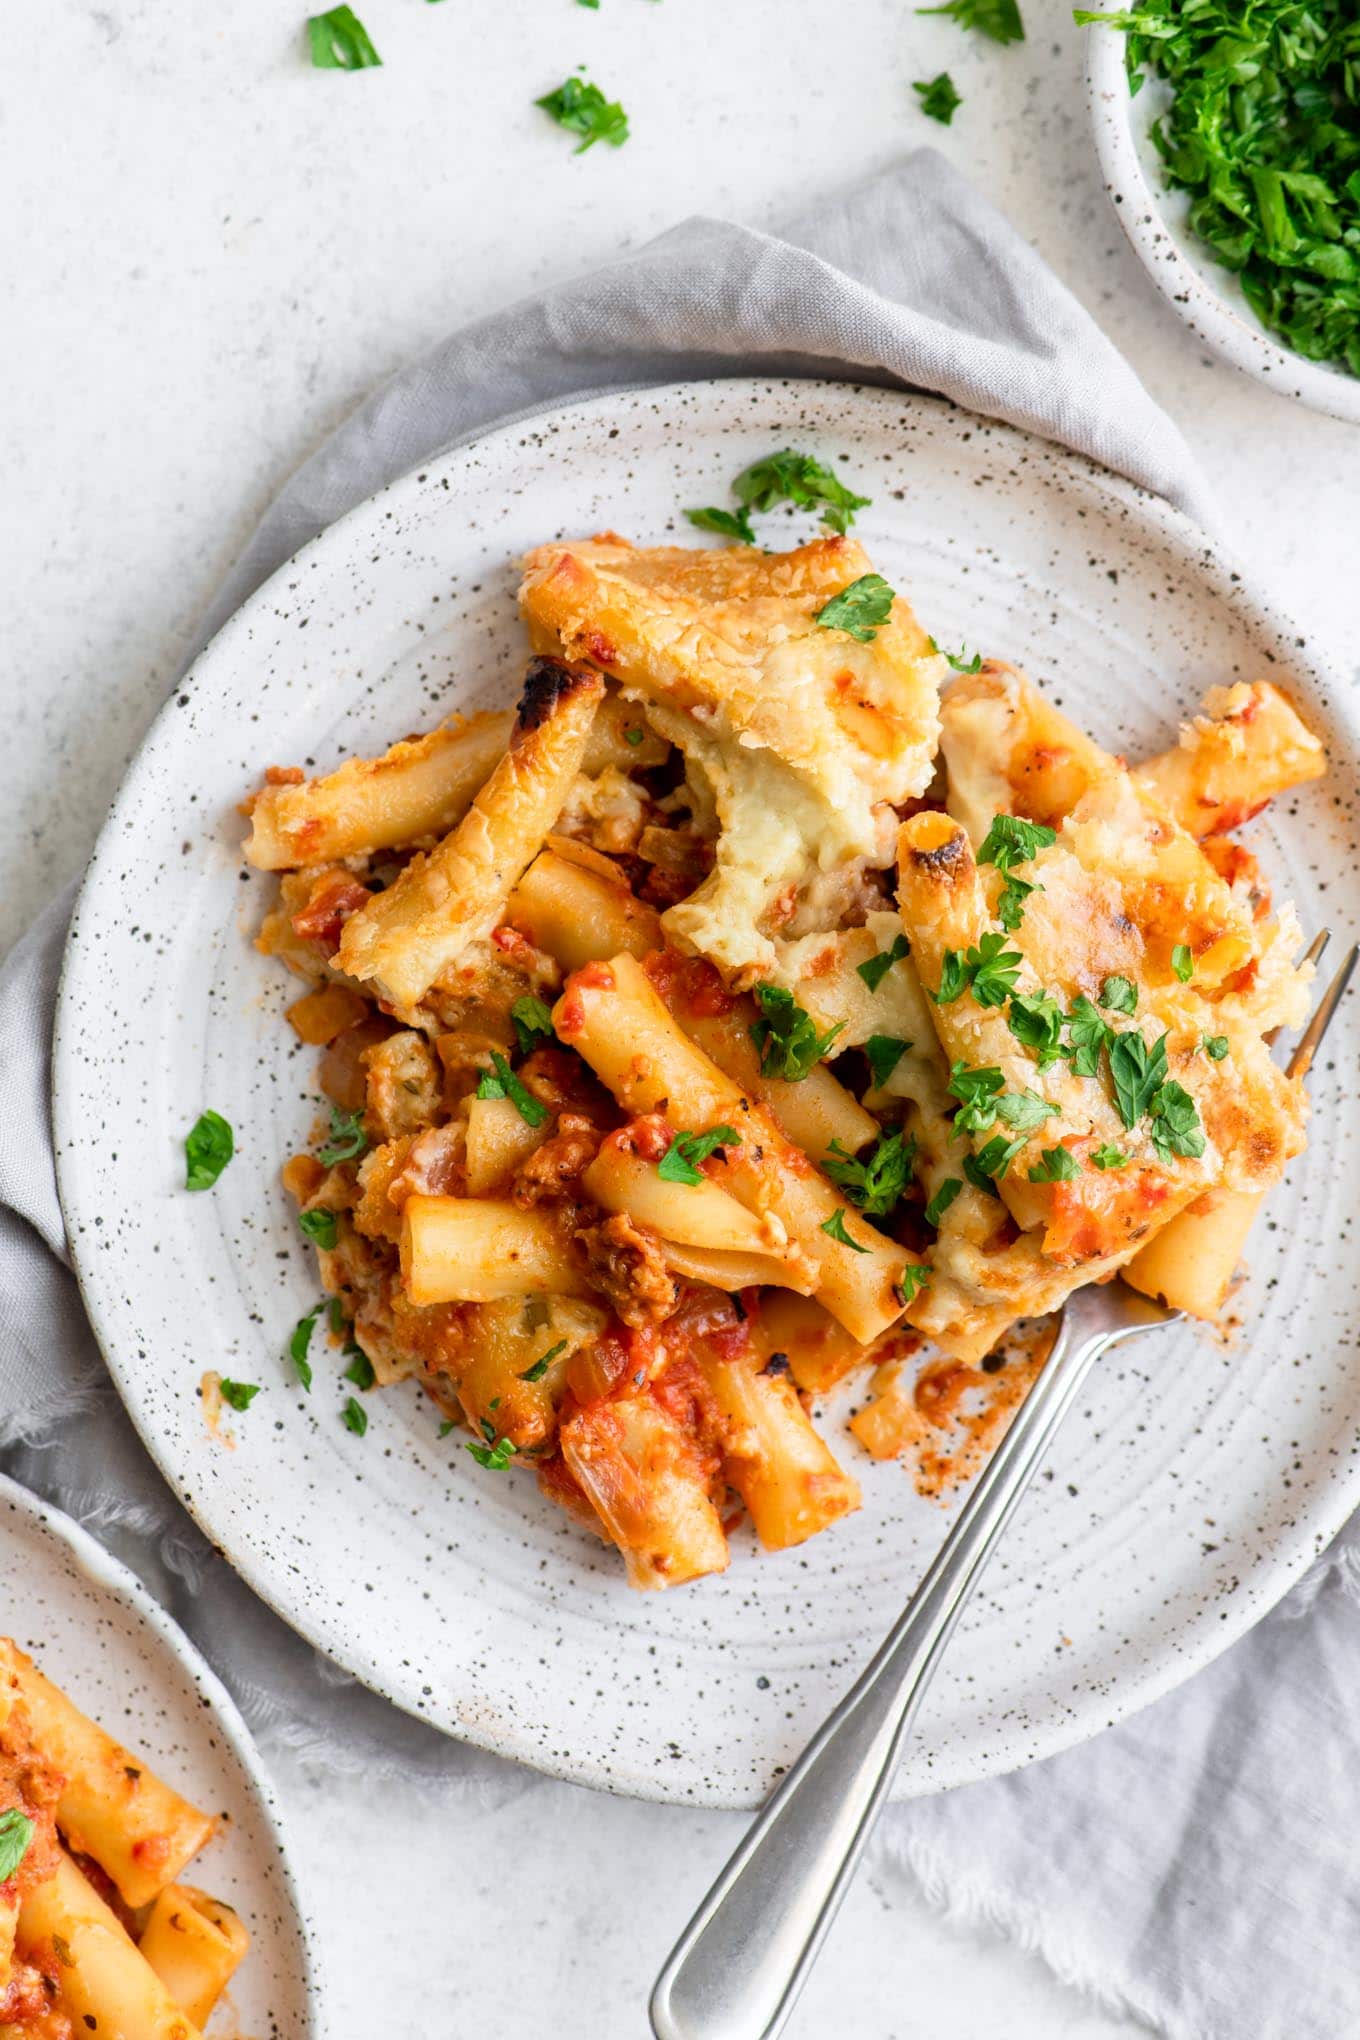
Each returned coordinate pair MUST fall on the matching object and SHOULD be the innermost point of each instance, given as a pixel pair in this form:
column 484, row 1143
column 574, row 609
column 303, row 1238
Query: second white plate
column 1195, row 1483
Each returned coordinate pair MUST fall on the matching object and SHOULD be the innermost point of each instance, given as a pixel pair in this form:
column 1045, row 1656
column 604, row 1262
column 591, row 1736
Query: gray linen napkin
column 1194, row 1866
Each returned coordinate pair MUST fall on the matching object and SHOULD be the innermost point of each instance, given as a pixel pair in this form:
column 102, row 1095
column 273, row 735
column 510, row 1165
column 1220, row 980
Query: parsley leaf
column 978, row 1176
column 884, row 1053
column 508, row 1085
column 990, row 970
column 978, row 1091
column 1215, row 1046
column 877, row 967
column 1183, row 962
column 835, row 1226
column 298, row 1343
column 16, row 1833
column 959, row 660
column 993, row 1160
column 1119, row 995
column 339, row 41
column 240, row 1394
column 678, row 1164
column 540, row 1367
column 1012, row 840
column 208, row 1147
column 859, row 609
column 496, row 1454
column 727, row 523
column 1010, row 902
column 1173, row 1122
column 1138, row 1073
column 915, row 1276
column 788, row 1042
column 360, row 1369
column 320, row 1226
column 583, row 109
column 354, row 1417
column 1024, row 1111
column 1107, row 1157
column 347, row 1138
column 999, row 19
column 1056, row 1165
column 532, row 1019
column 1087, row 1034
column 797, row 478
column 939, row 99
column 876, row 1185
column 942, row 1199
column 1036, row 1021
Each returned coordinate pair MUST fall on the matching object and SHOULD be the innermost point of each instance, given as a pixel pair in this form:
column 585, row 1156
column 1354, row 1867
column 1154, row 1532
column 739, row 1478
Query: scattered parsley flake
column 1010, row 903
column 208, row 1147
column 998, row 19
column 797, row 478
column 1215, row 1046
column 1174, row 1124
column 530, row 1110
column 240, row 1394
column 858, row 610
column 16, row 1833
column 835, row 1227
column 687, row 1150
column 993, row 1159
column 1119, row 995
column 347, row 1138
column 540, row 1367
column 496, row 1454
column 942, row 1199
column 877, row 1185
column 1107, row 1157
column 989, row 970
column 1024, row 1111
column 1012, row 840
column 884, row 1053
column 360, row 1369
column 1138, row 1073
column 1183, row 962
column 727, row 523
column 1087, row 1034
column 786, row 1037
column 960, row 661
column 338, row 41
column 978, row 1091
column 915, row 1276
column 583, row 110
column 877, row 967
column 298, row 1343
column 532, row 1018
column 320, row 1226
column 1055, row 1165
column 1036, row 1021
column 939, row 98
column 354, row 1417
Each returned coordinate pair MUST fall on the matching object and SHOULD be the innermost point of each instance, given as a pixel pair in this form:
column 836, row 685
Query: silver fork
column 737, row 1969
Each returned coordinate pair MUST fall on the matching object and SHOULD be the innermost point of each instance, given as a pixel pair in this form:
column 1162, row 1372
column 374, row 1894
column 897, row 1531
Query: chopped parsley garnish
column 835, row 1227
column 978, row 1176
column 993, row 1160
column 299, row 1341
column 360, row 1369
column 989, row 971
column 1012, row 840
column 959, row 661
column 335, row 1314
column 978, row 1091
column 583, row 110
column 942, row 1199
column 1087, row 1034
column 1183, row 962
column 1024, row 1111
column 540, row 1367
column 1138, row 1073
column 1010, row 901
column 16, row 1833
column 1262, row 133
column 208, row 1147
column 320, row 1226
column 679, row 1163
column 449, row 1424
column 505, row 1084
column 876, row 969
column 915, row 1276
column 1036, row 1021
column 797, row 478
column 632, row 737
column 785, row 1036
column 1107, row 1157
column 859, row 609
column 1119, row 995
column 1055, row 1165
column 876, row 1185
column 240, row 1394
column 339, row 41
column 999, row 19
column 347, row 1138
column 1174, row 1124
column 939, row 99
column 496, row 1454
column 727, row 523
column 884, row 1053
column 532, row 1019
column 1215, row 1046
column 354, row 1417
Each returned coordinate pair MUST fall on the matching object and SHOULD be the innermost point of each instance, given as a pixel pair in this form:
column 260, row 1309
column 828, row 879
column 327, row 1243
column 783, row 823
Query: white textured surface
column 210, row 253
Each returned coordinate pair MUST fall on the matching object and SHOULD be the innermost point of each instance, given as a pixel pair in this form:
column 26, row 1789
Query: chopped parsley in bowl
column 1253, row 114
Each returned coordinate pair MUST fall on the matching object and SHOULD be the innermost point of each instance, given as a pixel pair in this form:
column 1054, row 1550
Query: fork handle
column 737, row 1969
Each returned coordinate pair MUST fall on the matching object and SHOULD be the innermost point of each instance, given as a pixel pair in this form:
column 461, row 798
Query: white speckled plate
column 1192, row 1487
column 96, row 1631
column 1199, row 290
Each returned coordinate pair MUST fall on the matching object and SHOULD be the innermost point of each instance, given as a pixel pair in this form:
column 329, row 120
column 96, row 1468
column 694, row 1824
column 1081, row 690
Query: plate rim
column 114, row 1577
column 1140, row 210
column 1203, row 554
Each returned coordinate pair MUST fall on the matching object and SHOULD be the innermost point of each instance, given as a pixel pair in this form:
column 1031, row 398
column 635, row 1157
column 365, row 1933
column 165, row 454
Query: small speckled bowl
column 462, row 1593
column 94, row 1629
column 1201, row 291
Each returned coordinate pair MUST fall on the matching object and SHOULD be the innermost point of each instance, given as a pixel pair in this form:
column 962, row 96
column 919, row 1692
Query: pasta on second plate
column 97, row 1933
column 760, row 1003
